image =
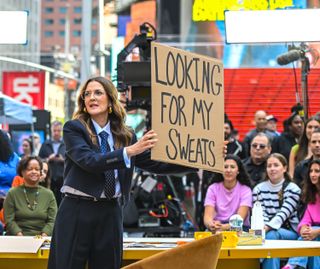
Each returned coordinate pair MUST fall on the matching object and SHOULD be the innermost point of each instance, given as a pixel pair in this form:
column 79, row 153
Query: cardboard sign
column 187, row 108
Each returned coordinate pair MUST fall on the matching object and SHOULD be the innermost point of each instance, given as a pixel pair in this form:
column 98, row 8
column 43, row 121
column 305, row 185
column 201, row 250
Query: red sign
column 26, row 87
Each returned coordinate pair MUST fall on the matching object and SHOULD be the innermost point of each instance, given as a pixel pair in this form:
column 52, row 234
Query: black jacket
column 282, row 144
column 301, row 171
column 85, row 164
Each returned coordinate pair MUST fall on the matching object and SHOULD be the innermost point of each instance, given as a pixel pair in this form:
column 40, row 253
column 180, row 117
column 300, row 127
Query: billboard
column 27, row 87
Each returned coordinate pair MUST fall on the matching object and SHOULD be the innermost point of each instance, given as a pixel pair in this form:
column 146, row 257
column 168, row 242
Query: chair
column 198, row 254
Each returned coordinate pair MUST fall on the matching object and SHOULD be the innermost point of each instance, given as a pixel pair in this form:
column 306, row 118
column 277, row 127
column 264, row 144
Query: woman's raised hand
column 146, row 142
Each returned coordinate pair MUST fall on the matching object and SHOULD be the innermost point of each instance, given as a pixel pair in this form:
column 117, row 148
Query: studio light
column 272, row 26
column 13, row 27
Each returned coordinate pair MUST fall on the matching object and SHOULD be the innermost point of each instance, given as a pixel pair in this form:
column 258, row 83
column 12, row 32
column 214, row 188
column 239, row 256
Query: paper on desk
column 20, row 244
column 148, row 245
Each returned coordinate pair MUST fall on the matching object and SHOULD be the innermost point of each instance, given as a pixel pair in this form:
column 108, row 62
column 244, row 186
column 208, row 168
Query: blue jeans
column 311, row 262
column 280, row 234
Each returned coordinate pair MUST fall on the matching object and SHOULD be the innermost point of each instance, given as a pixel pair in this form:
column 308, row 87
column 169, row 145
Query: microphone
column 289, row 57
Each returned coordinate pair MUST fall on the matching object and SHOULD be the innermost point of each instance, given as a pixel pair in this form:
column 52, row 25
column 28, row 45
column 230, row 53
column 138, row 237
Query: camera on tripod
column 136, row 75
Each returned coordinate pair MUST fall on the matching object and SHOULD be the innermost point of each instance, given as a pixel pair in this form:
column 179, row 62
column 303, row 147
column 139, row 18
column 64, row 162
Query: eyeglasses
column 96, row 94
column 258, row 146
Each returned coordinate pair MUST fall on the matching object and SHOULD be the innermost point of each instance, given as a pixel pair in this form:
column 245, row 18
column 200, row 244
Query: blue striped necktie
column 110, row 182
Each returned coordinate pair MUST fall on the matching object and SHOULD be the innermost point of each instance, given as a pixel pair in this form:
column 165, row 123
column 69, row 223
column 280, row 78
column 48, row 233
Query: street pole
column 66, row 55
column 101, row 39
column 86, row 40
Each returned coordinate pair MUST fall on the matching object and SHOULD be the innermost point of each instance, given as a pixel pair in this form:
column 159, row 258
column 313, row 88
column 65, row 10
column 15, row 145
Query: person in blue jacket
column 8, row 162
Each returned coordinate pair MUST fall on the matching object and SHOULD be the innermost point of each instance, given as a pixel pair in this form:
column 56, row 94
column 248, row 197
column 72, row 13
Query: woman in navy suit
column 100, row 148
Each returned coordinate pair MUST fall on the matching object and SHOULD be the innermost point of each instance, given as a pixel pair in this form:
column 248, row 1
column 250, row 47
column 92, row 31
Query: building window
column 48, row 21
column 62, row 21
column 94, row 20
column 76, row 33
column 61, row 33
column 48, row 10
column 63, row 10
column 77, row 21
column 77, row 9
column 94, row 33
column 48, row 34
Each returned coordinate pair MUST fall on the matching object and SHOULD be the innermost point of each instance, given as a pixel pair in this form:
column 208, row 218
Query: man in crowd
column 255, row 165
column 260, row 122
column 53, row 150
column 272, row 125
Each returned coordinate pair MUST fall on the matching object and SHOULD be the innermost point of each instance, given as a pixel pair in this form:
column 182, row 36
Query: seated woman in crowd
column 302, row 151
column 230, row 196
column 30, row 209
column 279, row 197
column 45, row 175
column 44, row 178
column 309, row 226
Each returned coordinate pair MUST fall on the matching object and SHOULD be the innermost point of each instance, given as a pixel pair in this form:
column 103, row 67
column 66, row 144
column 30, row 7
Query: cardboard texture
column 202, row 253
column 20, row 244
column 187, row 92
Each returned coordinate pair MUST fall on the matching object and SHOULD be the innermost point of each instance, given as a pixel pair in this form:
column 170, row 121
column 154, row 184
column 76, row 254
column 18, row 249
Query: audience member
column 35, row 138
column 2, row 197
column 300, row 172
column 27, row 147
column 234, row 146
column 302, row 150
column 272, row 125
column 260, row 122
column 279, row 197
column 293, row 128
column 30, row 209
column 45, row 178
column 309, row 226
column 231, row 196
column 8, row 162
column 256, row 163
column 53, row 150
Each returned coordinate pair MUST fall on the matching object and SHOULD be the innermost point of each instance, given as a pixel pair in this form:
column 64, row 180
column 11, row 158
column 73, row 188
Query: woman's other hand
column 146, row 142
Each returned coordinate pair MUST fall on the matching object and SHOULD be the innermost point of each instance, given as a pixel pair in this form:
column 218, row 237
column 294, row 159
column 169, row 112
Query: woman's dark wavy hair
column 243, row 176
column 24, row 162
column 6, row 150
column 304, row 141
column 309, row 190
column 283, row 161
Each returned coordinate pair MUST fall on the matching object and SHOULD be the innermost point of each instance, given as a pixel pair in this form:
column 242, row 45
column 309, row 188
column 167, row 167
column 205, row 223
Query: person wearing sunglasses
column 255, row 165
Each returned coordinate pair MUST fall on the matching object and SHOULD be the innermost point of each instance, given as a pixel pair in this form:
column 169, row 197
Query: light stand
column 305, row 69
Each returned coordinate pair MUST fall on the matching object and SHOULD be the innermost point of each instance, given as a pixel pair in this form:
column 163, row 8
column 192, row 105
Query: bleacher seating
column 271, row 89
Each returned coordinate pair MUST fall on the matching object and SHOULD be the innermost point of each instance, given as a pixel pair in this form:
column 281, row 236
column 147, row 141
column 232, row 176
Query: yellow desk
column 239, row 257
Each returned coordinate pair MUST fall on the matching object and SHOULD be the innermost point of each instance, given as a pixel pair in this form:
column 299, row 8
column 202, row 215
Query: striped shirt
column 275, row 215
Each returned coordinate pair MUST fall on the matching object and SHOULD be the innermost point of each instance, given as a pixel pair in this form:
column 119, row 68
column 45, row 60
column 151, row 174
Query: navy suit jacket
column 85, row 164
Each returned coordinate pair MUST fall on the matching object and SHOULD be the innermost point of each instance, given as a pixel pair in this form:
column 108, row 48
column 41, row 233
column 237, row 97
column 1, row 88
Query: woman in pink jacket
column 309, row 226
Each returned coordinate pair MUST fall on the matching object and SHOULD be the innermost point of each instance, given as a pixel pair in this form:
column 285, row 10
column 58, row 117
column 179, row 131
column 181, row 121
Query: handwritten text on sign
column 187, row 108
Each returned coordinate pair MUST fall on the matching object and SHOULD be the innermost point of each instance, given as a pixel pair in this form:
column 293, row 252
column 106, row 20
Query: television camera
column 135, row 76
